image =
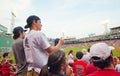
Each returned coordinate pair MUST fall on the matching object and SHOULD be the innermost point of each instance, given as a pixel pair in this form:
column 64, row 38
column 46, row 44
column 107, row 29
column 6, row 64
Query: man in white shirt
column 37, row 47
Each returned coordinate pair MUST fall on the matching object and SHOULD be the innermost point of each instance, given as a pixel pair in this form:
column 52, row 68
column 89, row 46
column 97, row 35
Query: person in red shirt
column 6, row 65
column 90, row 68
column 79, row 66
column 102, row 58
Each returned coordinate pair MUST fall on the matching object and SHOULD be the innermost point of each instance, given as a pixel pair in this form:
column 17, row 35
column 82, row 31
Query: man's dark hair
column 79, row 55
column 102, row 63
column 16, row 32
column 30, row 20
column 16, row 36
column 5, row 54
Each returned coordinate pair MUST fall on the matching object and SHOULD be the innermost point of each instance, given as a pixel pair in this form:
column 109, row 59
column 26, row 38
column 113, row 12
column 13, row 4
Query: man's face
column 38, row 24
column 22, row 34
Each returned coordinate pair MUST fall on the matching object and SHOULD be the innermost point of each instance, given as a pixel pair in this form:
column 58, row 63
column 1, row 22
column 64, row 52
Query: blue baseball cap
column 18, row 29
column 30, row 20
column 56, row 41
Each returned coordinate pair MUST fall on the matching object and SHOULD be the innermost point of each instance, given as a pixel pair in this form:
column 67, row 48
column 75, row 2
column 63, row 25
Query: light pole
column 106, row 24
column 12, row 20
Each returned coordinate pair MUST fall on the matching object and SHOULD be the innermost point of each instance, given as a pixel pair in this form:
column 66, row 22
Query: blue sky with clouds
column 76, row 18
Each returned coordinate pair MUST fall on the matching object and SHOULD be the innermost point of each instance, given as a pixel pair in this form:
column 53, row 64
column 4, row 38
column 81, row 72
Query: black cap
column 30, row 20
column 18, row 29
column 79, row 55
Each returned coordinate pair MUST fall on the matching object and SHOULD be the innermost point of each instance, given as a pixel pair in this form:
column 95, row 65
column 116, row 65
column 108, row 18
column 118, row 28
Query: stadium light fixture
column 13, row 15
column 106, row 24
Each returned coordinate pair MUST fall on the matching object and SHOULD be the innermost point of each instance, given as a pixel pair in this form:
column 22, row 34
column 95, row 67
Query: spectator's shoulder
column 40, row 32
column 93, row 74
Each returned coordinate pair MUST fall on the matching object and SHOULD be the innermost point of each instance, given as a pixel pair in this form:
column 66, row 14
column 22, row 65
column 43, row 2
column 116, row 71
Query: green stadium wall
column 5, row 43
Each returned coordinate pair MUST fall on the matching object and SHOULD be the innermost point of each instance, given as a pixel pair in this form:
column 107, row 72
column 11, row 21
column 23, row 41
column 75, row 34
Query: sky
column 64, row 18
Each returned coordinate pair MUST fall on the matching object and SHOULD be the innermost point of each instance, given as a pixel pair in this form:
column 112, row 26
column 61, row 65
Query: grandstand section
column 112, row 39
column 115, row 30
column 3, row 29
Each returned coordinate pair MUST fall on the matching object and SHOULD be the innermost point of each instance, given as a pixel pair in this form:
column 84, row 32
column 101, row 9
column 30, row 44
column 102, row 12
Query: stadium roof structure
column 115, row 28
column 2, row 28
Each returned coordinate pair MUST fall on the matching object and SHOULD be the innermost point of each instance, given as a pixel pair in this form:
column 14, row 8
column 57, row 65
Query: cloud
column 6, row 6
column 18, row 5
column 107, row 21
column 74, row 17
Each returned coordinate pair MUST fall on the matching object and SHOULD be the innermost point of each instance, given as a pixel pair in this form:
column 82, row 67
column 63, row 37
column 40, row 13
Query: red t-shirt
column 79, row 68
column 5, row 69
column 105, row 72
column 90, row 68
